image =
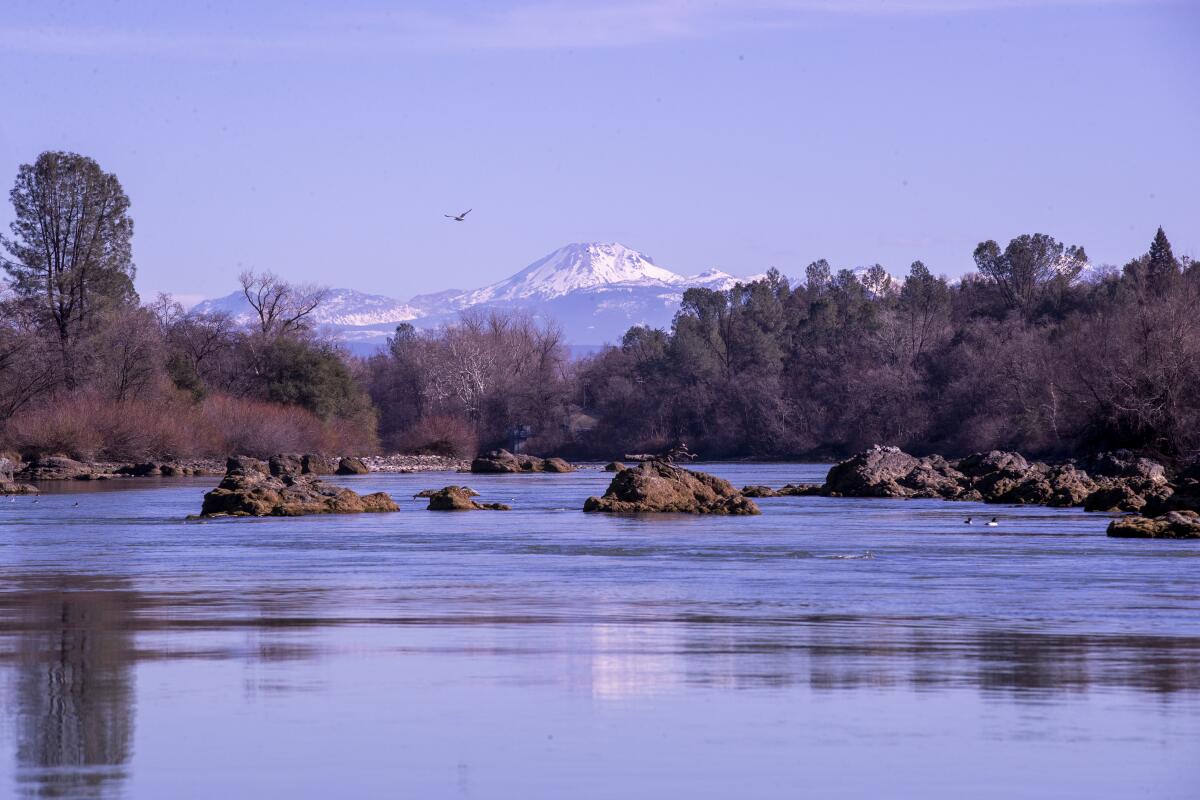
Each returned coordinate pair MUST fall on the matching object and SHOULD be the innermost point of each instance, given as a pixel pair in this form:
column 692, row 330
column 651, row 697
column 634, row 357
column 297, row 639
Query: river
column 827, row 648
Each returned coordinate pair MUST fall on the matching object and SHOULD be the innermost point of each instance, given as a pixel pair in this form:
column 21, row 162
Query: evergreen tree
column 1161, row 260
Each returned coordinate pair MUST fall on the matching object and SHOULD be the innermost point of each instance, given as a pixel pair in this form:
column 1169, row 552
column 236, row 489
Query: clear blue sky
column 324, row 141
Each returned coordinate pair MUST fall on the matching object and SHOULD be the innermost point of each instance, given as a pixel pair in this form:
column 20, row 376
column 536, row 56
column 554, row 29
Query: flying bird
column 458, row 218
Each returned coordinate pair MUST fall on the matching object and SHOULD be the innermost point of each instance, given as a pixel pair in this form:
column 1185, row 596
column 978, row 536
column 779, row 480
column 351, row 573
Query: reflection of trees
column 74, row 688
column 852, row 653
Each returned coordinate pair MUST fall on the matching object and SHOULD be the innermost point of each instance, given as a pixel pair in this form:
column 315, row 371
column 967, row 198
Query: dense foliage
column 1023, row 355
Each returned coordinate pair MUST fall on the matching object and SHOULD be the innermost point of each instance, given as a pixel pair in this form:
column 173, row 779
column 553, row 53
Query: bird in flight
column 458, row 218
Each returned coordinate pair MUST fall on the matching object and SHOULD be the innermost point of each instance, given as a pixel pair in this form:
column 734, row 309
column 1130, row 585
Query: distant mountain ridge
column 595, row 291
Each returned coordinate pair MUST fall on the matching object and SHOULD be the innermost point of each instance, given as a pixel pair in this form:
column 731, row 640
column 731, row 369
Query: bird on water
column 993, row 522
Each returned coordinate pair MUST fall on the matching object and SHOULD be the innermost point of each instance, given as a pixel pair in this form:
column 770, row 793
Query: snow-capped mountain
column 340, row 308
column 595, row 291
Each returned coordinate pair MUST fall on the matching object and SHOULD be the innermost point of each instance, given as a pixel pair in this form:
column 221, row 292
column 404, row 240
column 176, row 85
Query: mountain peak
column 575, row 267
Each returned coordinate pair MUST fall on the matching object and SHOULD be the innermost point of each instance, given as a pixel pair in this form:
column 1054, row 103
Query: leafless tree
column 282, row 307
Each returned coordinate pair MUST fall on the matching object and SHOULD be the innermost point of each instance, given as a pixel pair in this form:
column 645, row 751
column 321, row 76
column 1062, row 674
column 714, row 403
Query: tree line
column 1035, row 351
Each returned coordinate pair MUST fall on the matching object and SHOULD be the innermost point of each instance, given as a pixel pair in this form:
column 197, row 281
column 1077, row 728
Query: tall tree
column 71, row 245
column 1161, row 261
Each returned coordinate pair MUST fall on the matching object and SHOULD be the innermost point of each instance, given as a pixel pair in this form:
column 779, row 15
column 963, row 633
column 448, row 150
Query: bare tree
column 282, row 307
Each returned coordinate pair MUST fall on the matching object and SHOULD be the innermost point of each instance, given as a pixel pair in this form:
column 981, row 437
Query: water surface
column 828, row 648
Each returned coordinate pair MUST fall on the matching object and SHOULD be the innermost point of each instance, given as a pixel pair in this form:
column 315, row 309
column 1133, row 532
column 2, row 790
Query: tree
column 1027, row 264
column 71, row 245
column 1161, row 260
column 282, row 308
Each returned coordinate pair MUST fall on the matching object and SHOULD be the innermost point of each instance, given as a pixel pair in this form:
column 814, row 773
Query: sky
column 324, row 141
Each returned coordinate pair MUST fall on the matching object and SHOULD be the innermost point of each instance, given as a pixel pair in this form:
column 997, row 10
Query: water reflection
column 73, row 687
column 71, row 645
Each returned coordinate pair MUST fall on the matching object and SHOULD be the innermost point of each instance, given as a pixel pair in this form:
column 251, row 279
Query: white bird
column 993, row 523
column 459, row 217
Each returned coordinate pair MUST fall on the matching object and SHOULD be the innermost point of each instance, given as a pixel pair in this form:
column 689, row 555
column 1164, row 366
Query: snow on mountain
column 341, row 308
column 595, row 291
column 573, row 268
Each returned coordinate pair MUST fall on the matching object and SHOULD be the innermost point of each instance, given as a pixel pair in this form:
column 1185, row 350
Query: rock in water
column 663, row 488
column 614, row 466
column 55, row 468
column 250, row 490
column 758, row 490
column 458, row 498
column 502, row 461
column 1172, row 525
column 317, row 464
column 871, row 473
column 431, row 492
column 352, row 466
column 286, row 464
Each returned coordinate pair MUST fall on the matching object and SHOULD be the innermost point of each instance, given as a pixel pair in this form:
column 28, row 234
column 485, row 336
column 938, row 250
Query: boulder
column 146, row 469
column 1124, row 464
column 614, row 466
column 431, row 492
column 317, row 464
column 1185, row 494
column 1114, row 497
column 351, row 466
column 872, row 473
column 250, row 490
column 759, row 491
column 996, row 461
column 55, row 468
column 458, row 498
column 799, row 490
column 1172, row 525
column 664, row 488
column 12, row 487
column 502, row 462
column 1062, row 485
column 934, row 477
column 285, row 464
column 496, row 461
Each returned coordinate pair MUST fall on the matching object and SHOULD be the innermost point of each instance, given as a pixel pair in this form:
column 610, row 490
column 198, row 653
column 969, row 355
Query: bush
column 438, row 435
column 90, row 428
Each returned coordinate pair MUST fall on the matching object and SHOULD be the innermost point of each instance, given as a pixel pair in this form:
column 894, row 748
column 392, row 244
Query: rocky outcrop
column 789, row 490
column 503, row 462
column 8, row 482
column 250, row 489
column 799, row 490
column 614, row 466
column 871, row 473
column 662, row 488
column 317, row 464
column 1172, row 525
column 1123, row 464
column 431, row 492
column 167, row 469
column 458, row 498
column 54, row 468
column 351, row 466
column 999, row 477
